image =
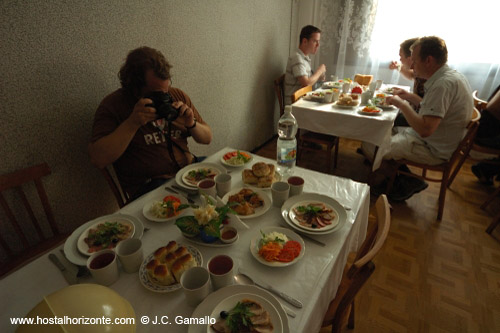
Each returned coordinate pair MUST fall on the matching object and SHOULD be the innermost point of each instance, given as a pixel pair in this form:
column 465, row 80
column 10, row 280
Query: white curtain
column 363, row 36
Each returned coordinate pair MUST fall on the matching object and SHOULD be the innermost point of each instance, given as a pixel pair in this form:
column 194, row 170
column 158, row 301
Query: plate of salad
column 164, row 209
column 236, row 158
column 277, row 247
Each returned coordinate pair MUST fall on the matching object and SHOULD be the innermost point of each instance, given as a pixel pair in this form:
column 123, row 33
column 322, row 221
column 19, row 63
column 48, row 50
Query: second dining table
column 313, row 280
column 326, row 118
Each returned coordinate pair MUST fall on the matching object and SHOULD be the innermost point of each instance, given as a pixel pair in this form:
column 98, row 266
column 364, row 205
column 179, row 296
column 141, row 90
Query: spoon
column 242, row 279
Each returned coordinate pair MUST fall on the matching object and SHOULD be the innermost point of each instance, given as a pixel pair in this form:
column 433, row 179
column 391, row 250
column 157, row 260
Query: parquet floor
column 430, row 276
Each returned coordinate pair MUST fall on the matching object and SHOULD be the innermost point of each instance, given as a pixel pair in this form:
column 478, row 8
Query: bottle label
column 287, row 155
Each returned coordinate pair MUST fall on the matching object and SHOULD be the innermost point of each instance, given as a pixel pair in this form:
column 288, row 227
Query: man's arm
column 109, row 148
column 201, row 133
column 310, row 80
column 423, row 125
column 407, row 96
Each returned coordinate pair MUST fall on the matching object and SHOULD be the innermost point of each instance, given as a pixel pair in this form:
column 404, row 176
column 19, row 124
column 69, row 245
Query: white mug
column 103, row 266
column 207, row 186
column 223, row 184
column 221, row 271
column 296, row 185
column 378, row 84
column 130, row 253
column 195, row 283
column 280, row 192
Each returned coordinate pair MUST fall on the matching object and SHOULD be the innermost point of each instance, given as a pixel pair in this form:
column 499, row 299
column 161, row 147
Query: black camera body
column 162, row 102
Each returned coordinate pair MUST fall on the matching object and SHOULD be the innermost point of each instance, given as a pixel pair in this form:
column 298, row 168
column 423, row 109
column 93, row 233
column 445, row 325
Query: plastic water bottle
column 286, row 151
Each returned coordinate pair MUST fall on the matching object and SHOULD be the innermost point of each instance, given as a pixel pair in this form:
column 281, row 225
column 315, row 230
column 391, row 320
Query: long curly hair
column 138, row 62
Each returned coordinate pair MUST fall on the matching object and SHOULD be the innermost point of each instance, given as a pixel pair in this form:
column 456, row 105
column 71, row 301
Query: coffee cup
column 346, row 87
column 221, row 271
column 328, row 96
column 365, row 97
column 195, row 283
column 280, row 192
column 378, row 84
column 223, row 184
column 103, row 266
column 207, row 186
column 130, row 253
column 373, row 86
column 296, row 185
column 334, row 78
column 336, row 94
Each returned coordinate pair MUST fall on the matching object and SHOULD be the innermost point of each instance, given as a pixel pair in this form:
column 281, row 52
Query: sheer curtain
column 363, row 36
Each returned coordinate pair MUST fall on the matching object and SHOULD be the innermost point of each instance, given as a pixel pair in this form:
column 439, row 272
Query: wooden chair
column 28, row 248
column 312, row 141
column 444, row 169
column 279, row 88
column 109, row 174
column 341, row 308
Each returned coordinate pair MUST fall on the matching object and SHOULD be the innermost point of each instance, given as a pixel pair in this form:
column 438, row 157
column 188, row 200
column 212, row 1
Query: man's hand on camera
column 142, row 114
column 186, row 114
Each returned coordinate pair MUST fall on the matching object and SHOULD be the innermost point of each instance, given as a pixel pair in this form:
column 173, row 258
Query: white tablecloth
column 313, row 280
column 347, row 123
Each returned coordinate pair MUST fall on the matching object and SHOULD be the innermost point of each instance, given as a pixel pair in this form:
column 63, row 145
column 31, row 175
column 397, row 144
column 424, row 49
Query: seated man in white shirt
column 446, row 109
column 298, row 69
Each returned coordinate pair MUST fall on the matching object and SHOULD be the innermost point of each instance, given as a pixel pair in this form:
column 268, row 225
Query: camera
column 162, row 102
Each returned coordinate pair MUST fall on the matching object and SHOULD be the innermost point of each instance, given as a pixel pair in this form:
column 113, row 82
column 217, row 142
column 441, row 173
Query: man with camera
column 142, row 128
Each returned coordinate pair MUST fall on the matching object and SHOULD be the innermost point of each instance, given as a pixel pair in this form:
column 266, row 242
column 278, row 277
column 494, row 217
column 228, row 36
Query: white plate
column 349, row 107
column 223, row 161
column 70, row 246
column 318, row 198
column 372, row 114
column 258, row 211
column 231, row 301
column 386, row 107
column 206, row 307
column 293, row 216
column 180, row 174
column 331, row 84
column 310, row 97
column 254, row 246
column 146, row 210
column 84, row 247
column 158, row 288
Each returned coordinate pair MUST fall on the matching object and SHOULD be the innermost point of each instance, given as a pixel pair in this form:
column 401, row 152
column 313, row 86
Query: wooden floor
column 430, row 276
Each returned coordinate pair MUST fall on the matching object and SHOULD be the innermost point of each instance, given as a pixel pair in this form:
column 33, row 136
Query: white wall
column 60, row 58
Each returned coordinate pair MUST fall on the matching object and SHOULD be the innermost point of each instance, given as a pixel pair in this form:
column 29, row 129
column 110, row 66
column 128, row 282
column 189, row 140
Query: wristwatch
column 193, row 126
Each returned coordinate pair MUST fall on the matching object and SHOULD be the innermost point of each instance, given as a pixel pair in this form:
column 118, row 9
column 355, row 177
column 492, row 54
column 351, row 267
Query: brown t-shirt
column 147, row 155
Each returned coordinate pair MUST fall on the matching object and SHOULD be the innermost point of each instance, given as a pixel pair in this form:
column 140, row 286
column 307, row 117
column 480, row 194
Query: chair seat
column 485, row 150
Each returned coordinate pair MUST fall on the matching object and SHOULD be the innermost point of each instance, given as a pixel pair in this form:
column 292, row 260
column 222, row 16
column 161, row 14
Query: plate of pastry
column 261, row 175
column 161, row 271
column 248, row 202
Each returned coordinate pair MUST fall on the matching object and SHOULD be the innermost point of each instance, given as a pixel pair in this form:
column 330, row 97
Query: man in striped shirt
column 298, row 69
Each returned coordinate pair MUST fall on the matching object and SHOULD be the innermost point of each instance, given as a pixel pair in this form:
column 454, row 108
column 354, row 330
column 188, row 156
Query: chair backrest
column 363, row 267
column 301, row 92
column 468, row 140
column 478, row 103
column 12, row 188
column 279, row 88
column 109, row 174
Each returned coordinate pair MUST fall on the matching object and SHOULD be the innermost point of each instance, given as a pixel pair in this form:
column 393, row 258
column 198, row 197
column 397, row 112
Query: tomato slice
column 286, row 256
column 294, row 247
column 171, row 198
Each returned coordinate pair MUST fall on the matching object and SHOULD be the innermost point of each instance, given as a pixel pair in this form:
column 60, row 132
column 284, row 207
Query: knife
column 295, row 302
column 68, row 275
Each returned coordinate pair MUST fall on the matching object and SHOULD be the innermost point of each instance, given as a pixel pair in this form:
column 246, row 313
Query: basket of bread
column 363, row 80
column 161, row 271
column 262, row 175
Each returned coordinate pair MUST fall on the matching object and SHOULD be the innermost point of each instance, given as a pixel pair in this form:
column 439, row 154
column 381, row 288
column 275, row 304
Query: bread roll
column 170, row 260
column 161, row 253
column 182, row 264
column 171, row 246
column 272, row 169
column 162, row 275
column 260, row 169
column 152, row 264
column 248, row 177
column 180, row 252
column 265, row 181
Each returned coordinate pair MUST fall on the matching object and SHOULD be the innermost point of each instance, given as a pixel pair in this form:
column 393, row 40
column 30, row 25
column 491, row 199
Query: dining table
column 328, row 118
column 314, row 279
